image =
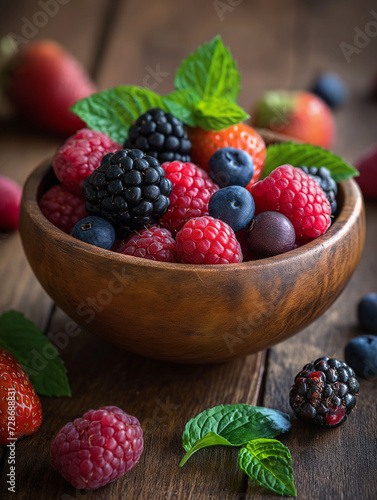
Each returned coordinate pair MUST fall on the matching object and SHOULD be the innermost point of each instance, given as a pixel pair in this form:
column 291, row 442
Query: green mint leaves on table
column 308, row 155
column 207, row 84
column 265, row 460
column 36, row 353
column 268, row 462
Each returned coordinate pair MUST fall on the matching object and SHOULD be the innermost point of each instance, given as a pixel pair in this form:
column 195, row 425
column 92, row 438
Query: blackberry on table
column 324, row 392
column 161, row 135
column 129, row 190
column 323, row 176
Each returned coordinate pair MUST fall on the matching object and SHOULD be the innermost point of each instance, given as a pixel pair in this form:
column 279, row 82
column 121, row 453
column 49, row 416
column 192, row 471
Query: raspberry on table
column 98, row 448
column 129, row 190
column 161, row 135
column 324, row 392
column 206, row 240
column 154, row 243
column 296, row 195
column 80, row 155
column 62, row 207
column 192, row 190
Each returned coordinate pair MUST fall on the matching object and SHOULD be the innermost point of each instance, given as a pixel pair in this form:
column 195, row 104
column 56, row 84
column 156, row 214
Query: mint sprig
column 211, row 71
column 237, row 424
column 113, row 111
column 269, row 463
column 36, row 353
column 265, row 460
column 308, row 155
column 207, row 86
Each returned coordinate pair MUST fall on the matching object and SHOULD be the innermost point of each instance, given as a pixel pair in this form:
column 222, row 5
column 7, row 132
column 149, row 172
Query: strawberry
column 367, row 167
column 10, row 199
column 206, row 142
column 300, row 115
column 20, row 408
column 43, row 81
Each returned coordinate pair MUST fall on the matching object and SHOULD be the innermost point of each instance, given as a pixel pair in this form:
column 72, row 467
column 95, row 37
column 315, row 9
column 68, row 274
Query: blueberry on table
column 361, row 354
column 95, row 231
column 331, row 89
column 233, row 205
column 367, row 312
column 231, row 167
column 270, row 233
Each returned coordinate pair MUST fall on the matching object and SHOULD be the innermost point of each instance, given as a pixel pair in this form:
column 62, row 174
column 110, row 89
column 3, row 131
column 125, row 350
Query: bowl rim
column 352, row 203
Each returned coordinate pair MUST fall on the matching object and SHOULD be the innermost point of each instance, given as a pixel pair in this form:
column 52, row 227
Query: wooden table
column 277, row 45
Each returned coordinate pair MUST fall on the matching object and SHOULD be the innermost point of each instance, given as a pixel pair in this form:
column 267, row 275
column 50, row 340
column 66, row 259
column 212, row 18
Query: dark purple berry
column 318, row 397
column 270, row 233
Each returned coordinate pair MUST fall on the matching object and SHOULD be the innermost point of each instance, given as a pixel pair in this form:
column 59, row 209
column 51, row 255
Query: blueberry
column 367, row 312
column 332, row 89
column 361, row 355
column 233, row 205
column 231, row 167
column 95, row 231
column 270, row 233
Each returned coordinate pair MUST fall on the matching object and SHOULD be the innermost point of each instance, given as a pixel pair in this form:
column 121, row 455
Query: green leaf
column 217, row 114
column 237, row 424
column 211, row 71
column 36, row 353
column 269, row 463
column 113, row 111
column 308, row 155
column 182, row 104
column 210, row 439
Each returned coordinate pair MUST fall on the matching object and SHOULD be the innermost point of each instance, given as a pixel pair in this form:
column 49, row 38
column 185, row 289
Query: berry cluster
column 160, row 206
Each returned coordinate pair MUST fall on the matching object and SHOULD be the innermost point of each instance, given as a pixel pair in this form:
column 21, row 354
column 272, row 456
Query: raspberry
column 296, row 195
column 192, row 189
column 205, row 240
column 98, row 448
column 129, row 190
column 324, row 392
column 80, row 155
column 161, row 135
column 62, row 207
column 154, row 243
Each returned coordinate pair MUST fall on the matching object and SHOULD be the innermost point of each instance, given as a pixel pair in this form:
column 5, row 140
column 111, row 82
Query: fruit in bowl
column 178, row 283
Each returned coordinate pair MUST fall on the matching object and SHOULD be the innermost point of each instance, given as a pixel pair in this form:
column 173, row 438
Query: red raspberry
column 10, row 199
column 296, row 195
column 80, row 155
column 154, row 243
column 98, row 448
column 206, row 240
column 192, row 189
column 63, row 208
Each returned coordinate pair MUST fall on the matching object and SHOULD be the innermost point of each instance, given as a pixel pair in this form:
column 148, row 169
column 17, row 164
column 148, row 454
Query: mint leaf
column 308, row 155
column 182, row 104
column 113, row 111
column 237, row 424
column 210, row 71
column 217, row 114
column 36, row 353
column 210, row 439
column 269, row 463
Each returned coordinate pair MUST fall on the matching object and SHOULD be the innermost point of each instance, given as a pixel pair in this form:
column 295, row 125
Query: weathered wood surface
column 277, row 44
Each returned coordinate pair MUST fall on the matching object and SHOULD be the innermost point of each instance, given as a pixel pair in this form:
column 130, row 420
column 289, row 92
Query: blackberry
column 160, row 135
column 323, row 176
column 128, row 189
column 324, row 392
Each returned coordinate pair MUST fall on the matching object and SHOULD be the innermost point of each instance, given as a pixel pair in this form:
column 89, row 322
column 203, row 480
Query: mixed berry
column 160, row 206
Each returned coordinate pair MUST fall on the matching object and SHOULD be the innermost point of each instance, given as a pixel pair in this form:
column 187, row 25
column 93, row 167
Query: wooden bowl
column 191, row 313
